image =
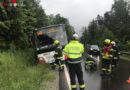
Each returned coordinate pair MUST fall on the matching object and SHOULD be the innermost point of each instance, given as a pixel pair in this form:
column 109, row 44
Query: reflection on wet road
column 94, row 81
column 116, row 81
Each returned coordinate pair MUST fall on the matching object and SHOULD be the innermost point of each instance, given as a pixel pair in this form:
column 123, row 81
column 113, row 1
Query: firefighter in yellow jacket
column 58, row 56
column 106, row 57
column 74, row 52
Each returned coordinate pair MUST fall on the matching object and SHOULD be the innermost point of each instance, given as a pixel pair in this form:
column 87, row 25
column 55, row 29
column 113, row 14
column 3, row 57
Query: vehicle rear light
column 66, row 57
column 128, row 81
column 41, row 60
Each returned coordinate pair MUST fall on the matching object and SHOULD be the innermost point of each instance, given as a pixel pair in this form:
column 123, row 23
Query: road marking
column 98, row 60
column 67, row 76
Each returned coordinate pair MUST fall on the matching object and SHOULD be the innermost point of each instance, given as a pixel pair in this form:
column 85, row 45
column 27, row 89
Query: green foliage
column 125, row 57
column 96, row 34
column 118, row 19
column 84, row 39
column 19, row 73
column 17, row 22
column 125, row 47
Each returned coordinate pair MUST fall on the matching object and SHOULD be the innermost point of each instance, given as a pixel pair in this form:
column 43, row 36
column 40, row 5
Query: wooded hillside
column 115, row 25
column 17, row 22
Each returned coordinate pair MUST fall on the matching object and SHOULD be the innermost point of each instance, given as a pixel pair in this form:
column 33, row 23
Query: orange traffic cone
column 128, row 81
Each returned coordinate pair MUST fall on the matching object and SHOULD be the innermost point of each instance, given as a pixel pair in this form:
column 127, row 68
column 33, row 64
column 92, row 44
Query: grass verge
column 125, row 57
column 17, row 72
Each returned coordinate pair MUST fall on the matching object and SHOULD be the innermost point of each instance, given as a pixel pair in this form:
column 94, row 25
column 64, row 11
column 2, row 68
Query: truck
column 43, row 42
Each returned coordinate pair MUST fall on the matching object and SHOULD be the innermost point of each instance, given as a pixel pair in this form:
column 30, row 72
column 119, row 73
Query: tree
column 84, row 38
column 118, row 19
column 17, row 22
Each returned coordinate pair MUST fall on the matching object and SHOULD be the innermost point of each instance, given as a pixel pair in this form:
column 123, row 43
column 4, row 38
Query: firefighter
column 115, row 52
column 74, row 51
column 91, row 62
column 106, row 57
column 58, row 56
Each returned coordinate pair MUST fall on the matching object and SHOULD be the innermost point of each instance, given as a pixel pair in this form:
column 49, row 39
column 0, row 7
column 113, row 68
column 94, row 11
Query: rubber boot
column 61, row 68
column 82, row 88
column 73, row 89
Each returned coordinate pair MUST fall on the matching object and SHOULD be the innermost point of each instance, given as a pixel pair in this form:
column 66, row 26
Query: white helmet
column 75, row 36
column 113, row 43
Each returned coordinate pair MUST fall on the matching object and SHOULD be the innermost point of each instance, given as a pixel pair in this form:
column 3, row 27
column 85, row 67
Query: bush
column 19, row 73
column 124, row 47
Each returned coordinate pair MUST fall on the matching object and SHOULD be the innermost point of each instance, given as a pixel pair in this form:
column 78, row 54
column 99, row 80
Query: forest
column 16, row 23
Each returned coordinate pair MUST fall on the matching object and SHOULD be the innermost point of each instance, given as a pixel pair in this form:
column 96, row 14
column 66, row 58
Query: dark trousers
column 76, row 70
column 106, row 64
column 114, row 62
column 59, row 62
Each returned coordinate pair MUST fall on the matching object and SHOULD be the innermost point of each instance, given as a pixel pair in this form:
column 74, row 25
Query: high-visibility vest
column 106, row 52
column 74, row 51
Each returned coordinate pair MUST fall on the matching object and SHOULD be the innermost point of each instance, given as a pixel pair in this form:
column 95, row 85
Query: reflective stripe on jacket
column 115, row 51
column 74, row 51
column 58, row 52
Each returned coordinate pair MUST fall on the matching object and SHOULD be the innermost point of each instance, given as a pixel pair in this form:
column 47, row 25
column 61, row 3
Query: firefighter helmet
column 107, row 41
column 75, row 37
column 56, row 42
column 113, row 43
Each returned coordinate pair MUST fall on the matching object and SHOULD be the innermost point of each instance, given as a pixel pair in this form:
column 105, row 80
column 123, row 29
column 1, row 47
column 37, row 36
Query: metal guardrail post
column 127, row 53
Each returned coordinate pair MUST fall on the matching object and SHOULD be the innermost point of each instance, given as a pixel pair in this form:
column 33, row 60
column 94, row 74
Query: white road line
column 98, row 60
column 67, row 76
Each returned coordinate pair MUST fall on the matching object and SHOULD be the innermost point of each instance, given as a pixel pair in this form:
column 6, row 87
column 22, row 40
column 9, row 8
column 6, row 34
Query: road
column 94, row 81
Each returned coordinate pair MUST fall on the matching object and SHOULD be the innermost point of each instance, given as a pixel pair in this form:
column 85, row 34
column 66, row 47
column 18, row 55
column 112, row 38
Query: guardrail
column 127, row 53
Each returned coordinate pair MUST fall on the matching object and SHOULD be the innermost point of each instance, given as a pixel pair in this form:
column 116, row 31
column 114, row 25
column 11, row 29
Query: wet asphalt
column 63, row 84
column 95, row 81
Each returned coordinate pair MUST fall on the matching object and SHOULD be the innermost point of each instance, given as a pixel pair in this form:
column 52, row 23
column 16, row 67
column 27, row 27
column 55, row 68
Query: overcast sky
column 78, row 12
